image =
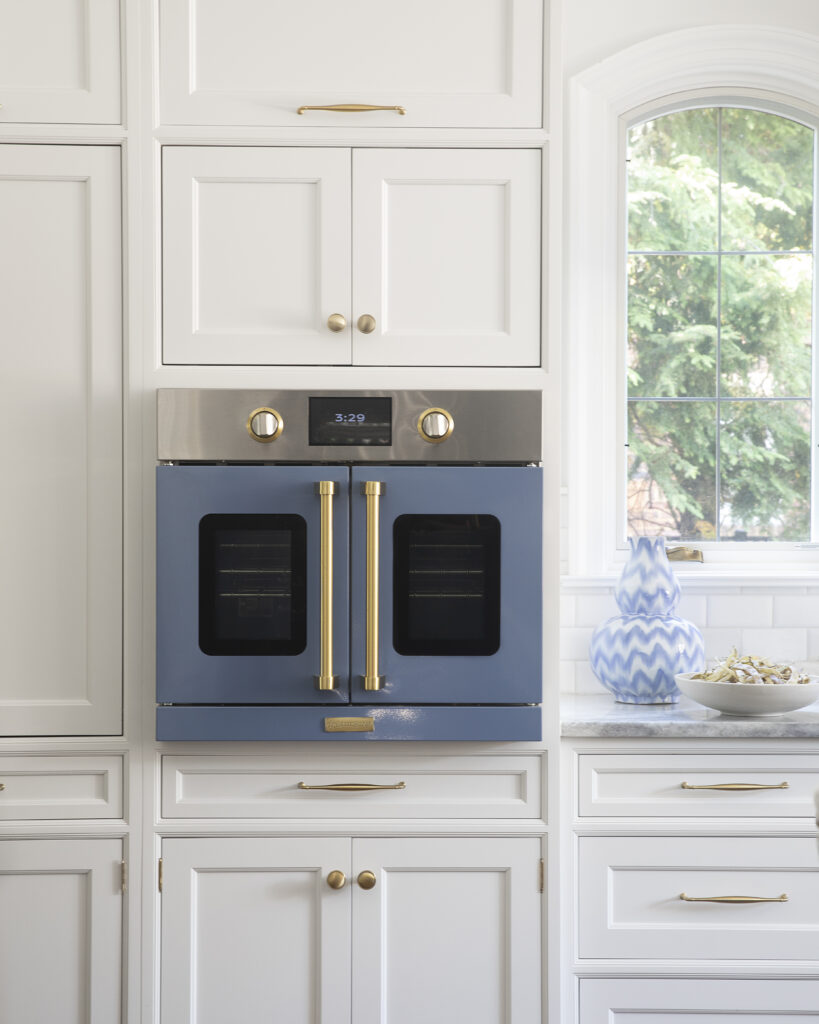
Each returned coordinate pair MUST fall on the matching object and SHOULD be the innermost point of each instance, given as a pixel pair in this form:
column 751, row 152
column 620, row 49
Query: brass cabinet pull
column 352, row 108
column 325, row 680
column 372, row 490
column 2, row 786
column 366, row 880
column 366, row 323
column 783, row 898
column 336, row 322
column 354, row 787
column 336, row 879
column 736, row 787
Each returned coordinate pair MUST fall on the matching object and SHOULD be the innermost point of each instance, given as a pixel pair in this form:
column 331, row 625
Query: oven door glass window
column 446, row 584
column 252, row 584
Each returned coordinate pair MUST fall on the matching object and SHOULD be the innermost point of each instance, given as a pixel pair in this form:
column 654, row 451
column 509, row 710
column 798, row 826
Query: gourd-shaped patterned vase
column 636, row 654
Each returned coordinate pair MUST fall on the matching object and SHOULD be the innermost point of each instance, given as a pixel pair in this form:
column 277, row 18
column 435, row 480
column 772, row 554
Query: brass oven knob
column 264, row 425
column 336, row 879
column 366, row 880
column 435, row 425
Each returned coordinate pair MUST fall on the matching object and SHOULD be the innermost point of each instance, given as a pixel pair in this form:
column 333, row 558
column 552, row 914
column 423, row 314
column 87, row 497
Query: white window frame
column 767, row 68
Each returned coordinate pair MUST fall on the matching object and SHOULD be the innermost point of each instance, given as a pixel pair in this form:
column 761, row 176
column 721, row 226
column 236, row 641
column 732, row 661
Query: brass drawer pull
column 352, row 108
column 736, row 787
column 735, row 899
column 2, row 786
column 354, row 787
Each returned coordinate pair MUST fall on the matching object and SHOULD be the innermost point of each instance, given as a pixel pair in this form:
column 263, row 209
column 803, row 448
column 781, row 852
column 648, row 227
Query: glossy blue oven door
column 458, row 584
column 239, row 584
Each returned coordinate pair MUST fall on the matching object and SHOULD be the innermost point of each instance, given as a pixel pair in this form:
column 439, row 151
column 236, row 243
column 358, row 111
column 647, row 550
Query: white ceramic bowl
column 750, row 699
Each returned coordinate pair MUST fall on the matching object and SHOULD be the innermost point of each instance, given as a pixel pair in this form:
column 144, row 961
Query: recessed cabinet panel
column 35, row 788
column 256, row 254
column 444, row 63
column 60, row 931
column 631, row 907
column 60, row 61
column 446, row 257
column 60, row 368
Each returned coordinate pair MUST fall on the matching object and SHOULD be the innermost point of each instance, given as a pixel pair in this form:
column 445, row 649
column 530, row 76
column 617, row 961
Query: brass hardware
column 353, row 787
column 159, row 875
column 372, row 490
column 683, row 554
column 736, row 787
column 336, row 879
column 336, row 322
column 2, row 786
column 123, row 875
column 735, row 899
column 325, row 680
column 362, row 724
column 366, row 323
column 366, row 880
column 264, row 424
column 541, row 875
column 435, row 425
column 352, row 108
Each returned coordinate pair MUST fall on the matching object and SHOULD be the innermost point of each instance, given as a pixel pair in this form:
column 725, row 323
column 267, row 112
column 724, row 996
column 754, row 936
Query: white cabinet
column 60, row 382
column 433, row 63
column 60, row 62
column 273, row 256
column 47, row 787
column 422, row 929
column 60, row 931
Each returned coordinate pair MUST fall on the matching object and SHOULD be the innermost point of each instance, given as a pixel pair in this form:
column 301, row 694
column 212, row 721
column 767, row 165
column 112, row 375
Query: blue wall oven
column 357, row 566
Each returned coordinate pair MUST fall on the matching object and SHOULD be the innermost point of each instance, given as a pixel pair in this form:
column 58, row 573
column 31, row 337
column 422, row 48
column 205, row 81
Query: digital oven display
column 350, row 421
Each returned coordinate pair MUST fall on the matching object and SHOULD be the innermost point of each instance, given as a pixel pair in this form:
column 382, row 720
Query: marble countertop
column 593, row 715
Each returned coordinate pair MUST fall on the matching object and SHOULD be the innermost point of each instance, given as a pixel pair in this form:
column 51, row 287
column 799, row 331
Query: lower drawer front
column 711, row 1001
column 36, row 787
column 630, row 903
column 354, row 786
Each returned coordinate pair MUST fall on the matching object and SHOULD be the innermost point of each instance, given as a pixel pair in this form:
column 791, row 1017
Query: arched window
column 720, row 275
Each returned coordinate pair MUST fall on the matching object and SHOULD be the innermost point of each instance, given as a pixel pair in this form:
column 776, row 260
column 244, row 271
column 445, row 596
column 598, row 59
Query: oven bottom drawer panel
column 631, row 906
column 219, row 723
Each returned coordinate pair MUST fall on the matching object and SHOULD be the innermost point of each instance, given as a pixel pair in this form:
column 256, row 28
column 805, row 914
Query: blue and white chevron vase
column 636, row 654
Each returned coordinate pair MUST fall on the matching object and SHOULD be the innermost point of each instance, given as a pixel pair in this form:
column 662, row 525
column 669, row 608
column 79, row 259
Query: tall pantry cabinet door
column 256, row 255
column 448, row 931
column 441, row 63
column 60, row 931
column 252, row 927
column 446, row 257
column 60, row 62
column 60, row 416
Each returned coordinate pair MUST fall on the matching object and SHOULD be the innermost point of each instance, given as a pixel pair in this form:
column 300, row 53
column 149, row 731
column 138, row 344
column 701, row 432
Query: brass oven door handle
column 325, row 680
column 372, row 490
column 783, row 898
column 354, row 787
column 736, row 787
column 352, row 108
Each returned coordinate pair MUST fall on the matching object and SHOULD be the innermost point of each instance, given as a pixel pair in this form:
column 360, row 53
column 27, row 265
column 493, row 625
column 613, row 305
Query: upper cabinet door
column 446, row 257
column 256, row 255
column 437, row 63
column 60, row 62
column 60, row 384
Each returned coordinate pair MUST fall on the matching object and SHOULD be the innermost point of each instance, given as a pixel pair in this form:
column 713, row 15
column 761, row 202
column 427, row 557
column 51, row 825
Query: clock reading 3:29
column 350, row 421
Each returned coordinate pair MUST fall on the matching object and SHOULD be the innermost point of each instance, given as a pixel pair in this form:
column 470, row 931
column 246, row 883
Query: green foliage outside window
column 720, row 282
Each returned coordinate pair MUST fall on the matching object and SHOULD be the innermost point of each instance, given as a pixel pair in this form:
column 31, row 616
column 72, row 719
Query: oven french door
column 326, row 585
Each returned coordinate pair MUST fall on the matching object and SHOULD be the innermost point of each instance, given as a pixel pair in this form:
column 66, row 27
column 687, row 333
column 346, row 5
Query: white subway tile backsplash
column 592, row 609
column 792, row 611
column 693, row 608
column 744, row 610
column 585, row 681
column 813, row 645
column 567, row 610
column 567, row 675
column 574, row 643
column 777, row 644
column 718, row 642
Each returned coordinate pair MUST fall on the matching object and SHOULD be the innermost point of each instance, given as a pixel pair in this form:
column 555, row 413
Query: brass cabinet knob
column 366, row 323
column 336, row 322
column 336, row 879
column 366, row 880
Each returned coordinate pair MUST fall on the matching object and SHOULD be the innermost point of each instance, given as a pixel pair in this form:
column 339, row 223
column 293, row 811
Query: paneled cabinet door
column 60, row 411
column 60, row 931
column 445, row 256
column 251, row 926
column 250, row 62
column 60, row 62
column 450, row 931
column 256, row 255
